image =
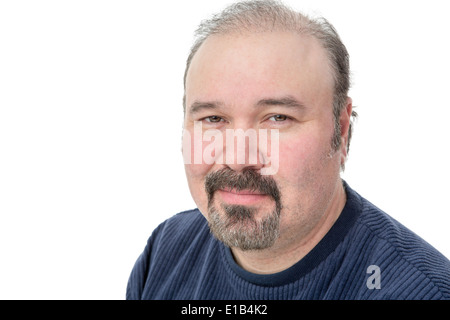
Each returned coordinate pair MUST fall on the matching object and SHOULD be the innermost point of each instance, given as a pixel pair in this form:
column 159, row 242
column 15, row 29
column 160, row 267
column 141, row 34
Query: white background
column 90, row 129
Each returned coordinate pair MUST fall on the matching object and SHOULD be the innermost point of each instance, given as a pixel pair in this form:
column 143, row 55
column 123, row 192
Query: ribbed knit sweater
column 365, row 255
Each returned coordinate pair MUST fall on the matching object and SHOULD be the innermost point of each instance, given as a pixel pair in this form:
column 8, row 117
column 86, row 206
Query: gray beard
column 237, row 227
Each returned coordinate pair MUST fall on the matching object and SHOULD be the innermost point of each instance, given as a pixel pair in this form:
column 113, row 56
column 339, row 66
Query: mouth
column 241, row 197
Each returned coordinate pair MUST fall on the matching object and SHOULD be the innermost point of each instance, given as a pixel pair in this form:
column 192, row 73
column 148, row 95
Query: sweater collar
column 319, row 253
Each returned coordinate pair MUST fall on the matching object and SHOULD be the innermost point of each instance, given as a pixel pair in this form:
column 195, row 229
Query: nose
column 242, row 149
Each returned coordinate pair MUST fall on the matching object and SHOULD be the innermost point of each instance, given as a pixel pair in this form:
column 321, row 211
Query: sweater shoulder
column 179, row 231
column 406, row 256
column 178, row 238
column 184, row 220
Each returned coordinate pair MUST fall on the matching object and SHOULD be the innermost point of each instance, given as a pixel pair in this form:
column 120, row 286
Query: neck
column 288, row 250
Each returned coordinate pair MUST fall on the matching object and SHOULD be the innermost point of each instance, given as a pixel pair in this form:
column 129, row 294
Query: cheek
column 307, row 148
column 195, row 174
column 295, row 153
column 195, row 167
column 304, row 167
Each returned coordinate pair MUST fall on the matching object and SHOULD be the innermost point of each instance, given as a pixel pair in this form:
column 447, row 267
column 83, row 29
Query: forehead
column 240, row 68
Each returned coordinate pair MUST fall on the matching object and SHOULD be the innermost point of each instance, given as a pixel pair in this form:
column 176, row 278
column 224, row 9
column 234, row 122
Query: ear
column 345, row 120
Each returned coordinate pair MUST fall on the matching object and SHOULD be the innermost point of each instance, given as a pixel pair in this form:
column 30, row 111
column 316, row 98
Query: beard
column 237, row 225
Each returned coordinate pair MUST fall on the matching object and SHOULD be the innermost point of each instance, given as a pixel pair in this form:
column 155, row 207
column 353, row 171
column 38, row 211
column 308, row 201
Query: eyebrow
column 198, row 106
column 287, row 101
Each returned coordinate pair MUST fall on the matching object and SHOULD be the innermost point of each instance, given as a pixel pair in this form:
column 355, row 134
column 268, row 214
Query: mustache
column 248, row 179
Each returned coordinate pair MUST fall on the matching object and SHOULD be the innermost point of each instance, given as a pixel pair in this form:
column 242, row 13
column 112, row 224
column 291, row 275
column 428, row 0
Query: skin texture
column 232, row 74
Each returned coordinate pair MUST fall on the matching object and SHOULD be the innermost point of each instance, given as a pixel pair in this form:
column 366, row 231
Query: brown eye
column 213, row 119
column 278, row 117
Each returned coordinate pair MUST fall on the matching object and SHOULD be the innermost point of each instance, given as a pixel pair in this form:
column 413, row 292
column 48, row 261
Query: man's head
column 260, row 66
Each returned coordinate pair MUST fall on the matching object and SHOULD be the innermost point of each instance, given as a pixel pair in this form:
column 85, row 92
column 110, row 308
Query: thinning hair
column 268, row 16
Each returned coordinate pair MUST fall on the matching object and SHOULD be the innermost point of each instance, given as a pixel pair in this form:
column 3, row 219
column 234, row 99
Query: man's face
column 263, row 82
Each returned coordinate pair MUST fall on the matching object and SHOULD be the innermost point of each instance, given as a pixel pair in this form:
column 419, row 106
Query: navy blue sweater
column 365, row 255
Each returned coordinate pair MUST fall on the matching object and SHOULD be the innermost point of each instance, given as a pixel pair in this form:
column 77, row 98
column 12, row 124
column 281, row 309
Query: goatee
column 236, row 225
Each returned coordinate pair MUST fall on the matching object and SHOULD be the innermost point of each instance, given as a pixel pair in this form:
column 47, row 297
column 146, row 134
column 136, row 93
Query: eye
column 213, row 119
column 278, row 117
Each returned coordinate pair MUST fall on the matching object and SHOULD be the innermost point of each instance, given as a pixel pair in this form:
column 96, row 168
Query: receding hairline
column 253, row 17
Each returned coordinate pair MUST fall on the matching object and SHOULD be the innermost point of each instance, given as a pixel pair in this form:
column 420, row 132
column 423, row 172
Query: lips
column 241, row 188
column 241, row 197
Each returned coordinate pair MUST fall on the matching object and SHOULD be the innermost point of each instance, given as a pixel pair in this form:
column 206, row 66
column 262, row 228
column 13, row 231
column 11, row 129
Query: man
column 274, row 218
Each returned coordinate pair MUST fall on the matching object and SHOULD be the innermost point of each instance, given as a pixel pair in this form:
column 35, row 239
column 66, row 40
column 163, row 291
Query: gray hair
column 267, row 15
